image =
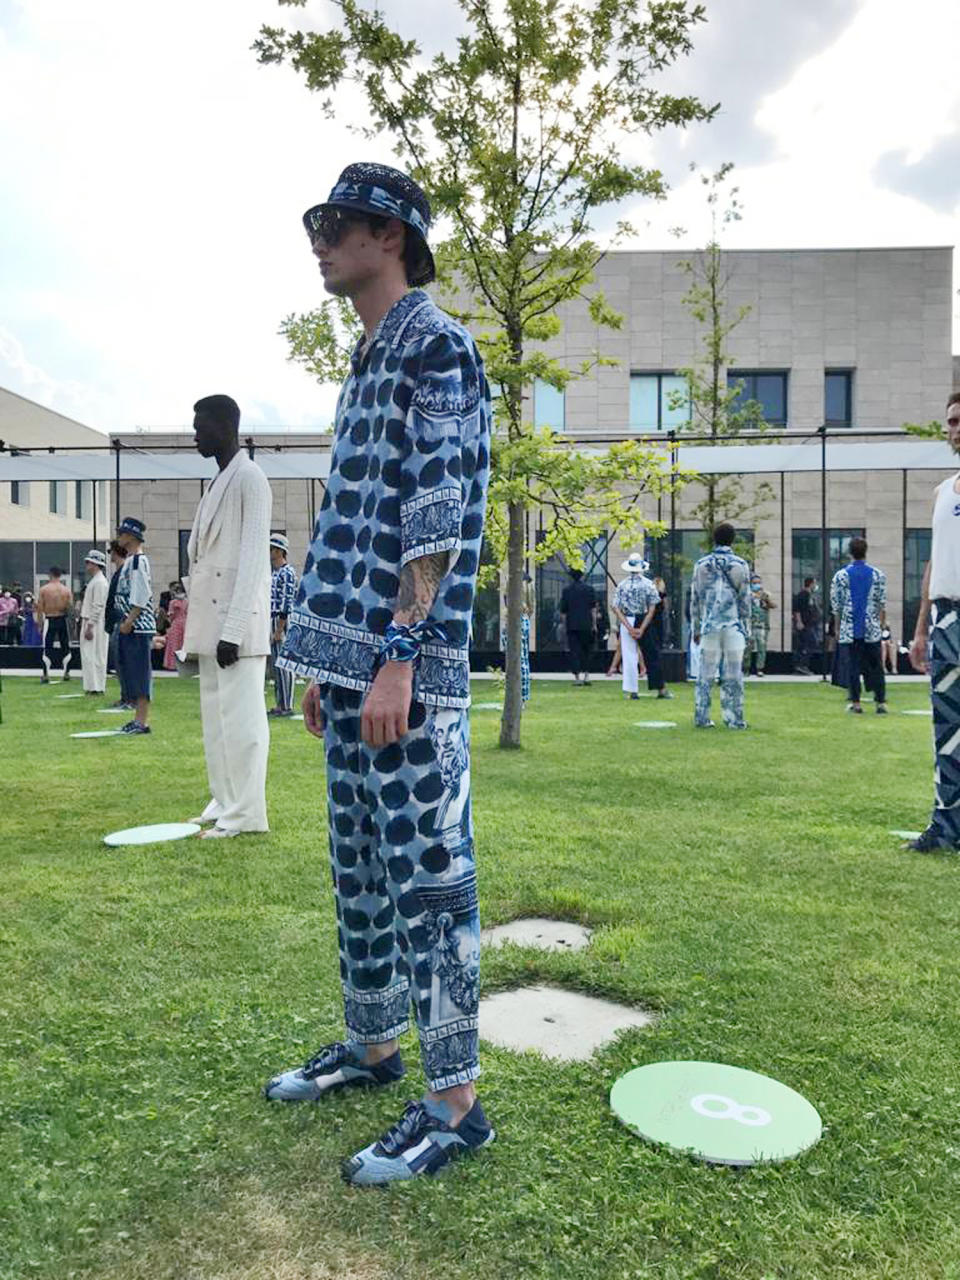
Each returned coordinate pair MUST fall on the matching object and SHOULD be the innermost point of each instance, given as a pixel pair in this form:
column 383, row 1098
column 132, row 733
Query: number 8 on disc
column 716, row 1113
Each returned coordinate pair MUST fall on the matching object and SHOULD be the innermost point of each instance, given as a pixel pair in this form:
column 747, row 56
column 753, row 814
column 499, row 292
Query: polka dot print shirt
column 408, row 478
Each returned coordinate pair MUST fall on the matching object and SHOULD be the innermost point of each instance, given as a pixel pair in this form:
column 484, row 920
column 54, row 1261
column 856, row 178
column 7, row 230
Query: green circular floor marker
column 716, row 1113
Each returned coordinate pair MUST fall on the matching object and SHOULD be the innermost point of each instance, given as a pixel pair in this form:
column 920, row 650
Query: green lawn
column 744, row 885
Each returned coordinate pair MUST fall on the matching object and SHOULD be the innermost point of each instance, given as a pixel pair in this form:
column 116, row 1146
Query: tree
column 717, row 410
column 520, row 137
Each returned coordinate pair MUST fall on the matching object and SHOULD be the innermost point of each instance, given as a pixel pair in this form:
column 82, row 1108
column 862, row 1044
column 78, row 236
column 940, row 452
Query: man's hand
column 386, row 708
column 125, row 627
column 918, row 654
column 88, row 631
column 312, row 707
column 227, row 653
column 696, row 637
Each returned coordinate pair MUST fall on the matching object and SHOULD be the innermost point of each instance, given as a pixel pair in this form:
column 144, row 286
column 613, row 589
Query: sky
column 154, row 176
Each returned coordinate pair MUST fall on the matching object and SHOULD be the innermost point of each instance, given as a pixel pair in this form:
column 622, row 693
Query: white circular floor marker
column 62, row 696
column 654, row 724
column 906, row 835
column 925, row 712
column 100, row 733
column 716, row 1113
column 487, row 706
column 158, row 833
column 114, row 711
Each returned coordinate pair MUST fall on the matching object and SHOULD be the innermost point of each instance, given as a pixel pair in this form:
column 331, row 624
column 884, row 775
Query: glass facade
column 486, row 610
column 658, row 402
column 916, row 553
column 548, row 406
column 838, row 398
column 552, row 576
column 769, row 389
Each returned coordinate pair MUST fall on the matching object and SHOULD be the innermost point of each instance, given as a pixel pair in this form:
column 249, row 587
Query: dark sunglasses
column 330, row 225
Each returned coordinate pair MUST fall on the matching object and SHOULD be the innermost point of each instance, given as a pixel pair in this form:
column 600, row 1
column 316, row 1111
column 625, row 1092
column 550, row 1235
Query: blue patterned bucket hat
column 378, row 189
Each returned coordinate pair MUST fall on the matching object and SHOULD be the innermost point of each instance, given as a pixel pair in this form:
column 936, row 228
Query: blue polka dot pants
column 401, row 851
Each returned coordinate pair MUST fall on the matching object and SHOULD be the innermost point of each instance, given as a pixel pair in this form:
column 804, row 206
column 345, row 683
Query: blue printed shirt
column 408, row 478
column 635, row 595
column 283, row 590
column 720, row 595
column 134, row 587
column 858, row 596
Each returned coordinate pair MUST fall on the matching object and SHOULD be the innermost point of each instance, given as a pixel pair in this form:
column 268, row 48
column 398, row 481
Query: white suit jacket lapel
column 213, row 498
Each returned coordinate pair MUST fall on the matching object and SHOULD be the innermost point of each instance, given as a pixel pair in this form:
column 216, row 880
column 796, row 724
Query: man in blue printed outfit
column 136, row 624
column 283, row 591
column 720, row 619
column 858, row 598
column 381, row 626
column 634, row 603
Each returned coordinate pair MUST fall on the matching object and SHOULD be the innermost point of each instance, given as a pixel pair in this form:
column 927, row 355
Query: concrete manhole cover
column 545, row 935
column 557, row 1023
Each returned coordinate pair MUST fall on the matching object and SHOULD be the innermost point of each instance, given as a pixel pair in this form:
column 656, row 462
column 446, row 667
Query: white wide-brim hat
column 95, row 557
column 635, row 563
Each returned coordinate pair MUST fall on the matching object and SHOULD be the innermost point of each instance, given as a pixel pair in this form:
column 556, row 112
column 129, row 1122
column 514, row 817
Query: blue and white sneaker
column 134, row 727
column 421, row 1142
column 336, row 1066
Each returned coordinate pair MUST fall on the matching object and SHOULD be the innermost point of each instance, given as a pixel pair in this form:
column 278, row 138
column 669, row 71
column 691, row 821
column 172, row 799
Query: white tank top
column 945, row 548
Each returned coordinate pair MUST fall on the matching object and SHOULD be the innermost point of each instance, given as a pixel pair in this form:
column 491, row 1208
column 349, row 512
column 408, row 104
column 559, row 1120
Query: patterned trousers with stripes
column 945, row 696
column 282, row 681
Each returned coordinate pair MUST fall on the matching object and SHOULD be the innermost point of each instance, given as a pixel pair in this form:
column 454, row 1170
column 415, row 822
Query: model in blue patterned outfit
column 381, row 626
column 720, row 621
column 858, row 598
column 283, row 591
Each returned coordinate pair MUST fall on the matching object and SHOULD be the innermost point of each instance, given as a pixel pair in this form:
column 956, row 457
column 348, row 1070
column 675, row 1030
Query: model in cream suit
column 93, row 635
column 228, row 621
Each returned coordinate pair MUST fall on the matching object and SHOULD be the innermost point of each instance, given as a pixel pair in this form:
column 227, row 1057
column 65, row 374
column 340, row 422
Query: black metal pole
column 823, row 552
column 903, row 570
column 786, row 594
column 116, row 523
column 93, row 499
column 676, row 606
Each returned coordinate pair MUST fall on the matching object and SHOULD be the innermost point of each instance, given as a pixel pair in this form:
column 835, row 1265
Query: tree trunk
column 516, row 560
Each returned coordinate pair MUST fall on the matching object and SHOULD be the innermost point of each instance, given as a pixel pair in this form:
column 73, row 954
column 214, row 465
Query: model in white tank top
column 945, row 548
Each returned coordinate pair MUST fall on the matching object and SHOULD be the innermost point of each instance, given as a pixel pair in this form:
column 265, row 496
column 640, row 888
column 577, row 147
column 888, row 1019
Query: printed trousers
column 56, row 642
column 282, row 681
column 524, row 655
column 405, row 884
column 724, row 645
column 944, row 658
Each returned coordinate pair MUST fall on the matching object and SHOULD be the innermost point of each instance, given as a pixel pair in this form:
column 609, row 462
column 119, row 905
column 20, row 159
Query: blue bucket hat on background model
column 383, row 192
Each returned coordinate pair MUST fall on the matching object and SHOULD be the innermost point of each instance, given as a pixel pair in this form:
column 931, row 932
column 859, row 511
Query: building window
column 548, row 406
column 916, row 553
column 838, row 397
column 769, row 389
column 658, row 402
column 58, row 497
column 83, row 498
column 20, row 493
column 552, row 576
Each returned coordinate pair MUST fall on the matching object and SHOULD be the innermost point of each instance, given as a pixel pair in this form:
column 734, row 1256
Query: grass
column 745, row 885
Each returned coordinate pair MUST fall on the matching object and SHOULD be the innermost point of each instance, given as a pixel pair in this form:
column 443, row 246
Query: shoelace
column 326, row 1059
column 415, row 1122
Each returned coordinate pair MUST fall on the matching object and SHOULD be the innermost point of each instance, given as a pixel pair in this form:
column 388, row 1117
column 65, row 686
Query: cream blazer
column 228, row 589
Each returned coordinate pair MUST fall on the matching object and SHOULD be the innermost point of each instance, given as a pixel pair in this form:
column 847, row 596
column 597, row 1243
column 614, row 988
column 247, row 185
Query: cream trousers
column 93, row 657
column 236, row 742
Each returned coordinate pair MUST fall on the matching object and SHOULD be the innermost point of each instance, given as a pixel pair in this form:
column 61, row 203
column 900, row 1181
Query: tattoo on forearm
column 419, row 580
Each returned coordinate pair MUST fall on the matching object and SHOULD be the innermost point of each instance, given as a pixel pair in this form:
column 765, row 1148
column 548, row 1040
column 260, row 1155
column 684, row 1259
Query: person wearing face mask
column 8, row 609
column 760, row 606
